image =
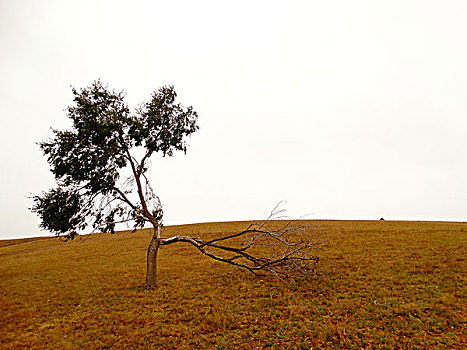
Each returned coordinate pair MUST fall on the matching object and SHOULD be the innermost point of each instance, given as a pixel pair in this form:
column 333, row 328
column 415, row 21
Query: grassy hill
column 388, row 285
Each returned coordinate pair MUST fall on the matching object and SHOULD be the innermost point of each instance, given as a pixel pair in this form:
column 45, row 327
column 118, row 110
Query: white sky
column 346, row 109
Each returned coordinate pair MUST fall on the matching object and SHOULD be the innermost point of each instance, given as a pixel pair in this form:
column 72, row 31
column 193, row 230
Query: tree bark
column 151, row 276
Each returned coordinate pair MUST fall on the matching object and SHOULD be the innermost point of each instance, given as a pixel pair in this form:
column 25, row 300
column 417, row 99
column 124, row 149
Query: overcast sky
column 346, row 109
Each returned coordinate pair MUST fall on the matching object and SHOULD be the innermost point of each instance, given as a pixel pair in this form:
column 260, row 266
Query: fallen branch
column 283, row 249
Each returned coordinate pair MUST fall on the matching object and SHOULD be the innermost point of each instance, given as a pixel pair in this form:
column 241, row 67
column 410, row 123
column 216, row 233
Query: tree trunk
column 151, row 275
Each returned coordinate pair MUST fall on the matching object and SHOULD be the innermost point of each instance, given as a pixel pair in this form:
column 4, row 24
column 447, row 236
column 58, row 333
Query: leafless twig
column 283, row 248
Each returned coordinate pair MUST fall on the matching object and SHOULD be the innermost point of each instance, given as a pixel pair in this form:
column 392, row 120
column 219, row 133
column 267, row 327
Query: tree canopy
column 89, row 160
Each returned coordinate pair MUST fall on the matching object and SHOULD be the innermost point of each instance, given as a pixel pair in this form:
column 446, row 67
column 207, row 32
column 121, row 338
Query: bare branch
column 285, row 249
column 125, row 199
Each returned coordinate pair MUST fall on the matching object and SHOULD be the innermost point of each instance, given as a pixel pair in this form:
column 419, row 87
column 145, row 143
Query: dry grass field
column 388, row 285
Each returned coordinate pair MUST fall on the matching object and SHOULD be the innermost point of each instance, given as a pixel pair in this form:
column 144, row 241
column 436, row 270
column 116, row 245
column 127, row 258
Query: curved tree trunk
column 151, row 275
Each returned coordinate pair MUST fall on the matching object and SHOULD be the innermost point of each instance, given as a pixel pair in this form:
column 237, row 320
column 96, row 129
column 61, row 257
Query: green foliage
column 161, row 125
column 59, row 210
column 87, row 161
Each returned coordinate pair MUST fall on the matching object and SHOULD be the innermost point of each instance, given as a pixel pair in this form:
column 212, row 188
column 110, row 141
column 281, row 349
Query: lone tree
column 100, row 168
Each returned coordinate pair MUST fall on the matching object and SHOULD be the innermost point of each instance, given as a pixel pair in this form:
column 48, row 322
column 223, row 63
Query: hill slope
column 388, row 285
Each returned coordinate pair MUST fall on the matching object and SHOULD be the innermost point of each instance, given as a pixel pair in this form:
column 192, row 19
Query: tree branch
column 287, row 251
column 140, row 188
column 143, row 160
column 125, row 199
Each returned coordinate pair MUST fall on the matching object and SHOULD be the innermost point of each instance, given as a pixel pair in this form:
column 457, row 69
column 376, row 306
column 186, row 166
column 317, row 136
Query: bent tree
column 100, row 167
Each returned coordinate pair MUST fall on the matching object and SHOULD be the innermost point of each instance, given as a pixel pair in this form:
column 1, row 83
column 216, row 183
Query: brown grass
column 389, row 285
